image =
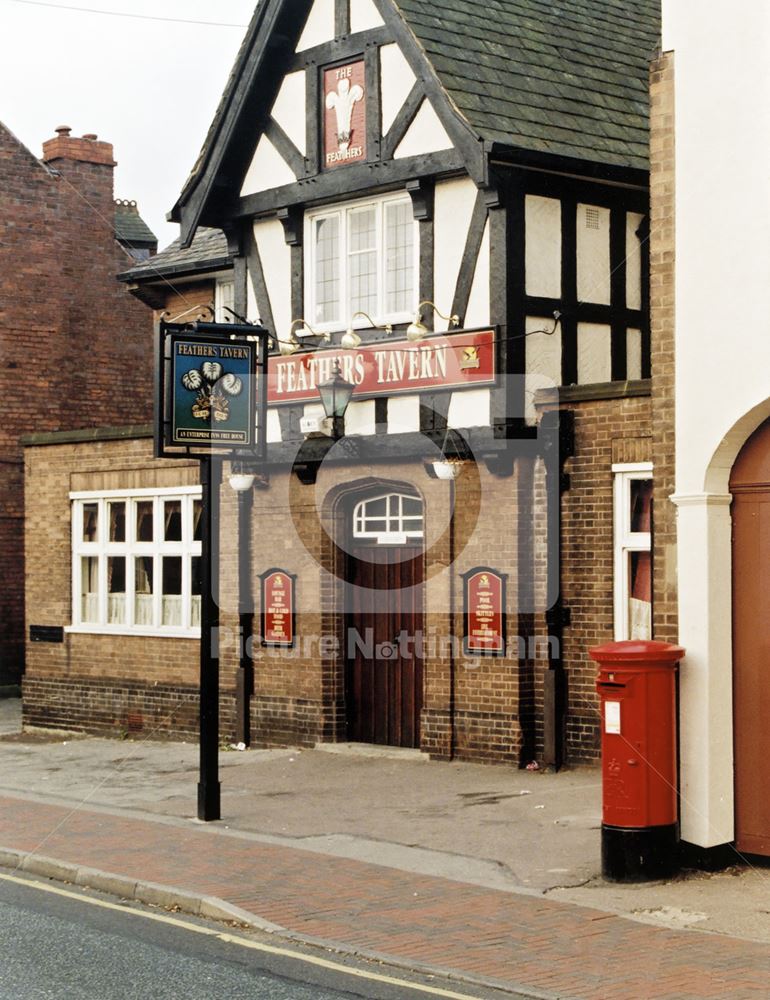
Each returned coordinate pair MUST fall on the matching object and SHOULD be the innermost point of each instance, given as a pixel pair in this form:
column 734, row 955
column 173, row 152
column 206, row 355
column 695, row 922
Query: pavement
column 486, row 874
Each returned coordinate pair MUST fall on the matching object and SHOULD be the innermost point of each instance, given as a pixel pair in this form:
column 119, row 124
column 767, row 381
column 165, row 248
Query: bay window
column 136, row 561
column 361, row 258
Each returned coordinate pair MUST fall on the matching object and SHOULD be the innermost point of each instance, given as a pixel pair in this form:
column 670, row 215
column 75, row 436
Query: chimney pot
column 63, row 130
column 92, row 136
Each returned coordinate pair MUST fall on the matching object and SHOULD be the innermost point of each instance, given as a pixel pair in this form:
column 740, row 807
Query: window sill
column 142, row 633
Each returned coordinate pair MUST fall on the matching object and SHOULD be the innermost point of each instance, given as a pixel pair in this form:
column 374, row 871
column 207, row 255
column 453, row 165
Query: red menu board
column 484, row 612
column 278, row 609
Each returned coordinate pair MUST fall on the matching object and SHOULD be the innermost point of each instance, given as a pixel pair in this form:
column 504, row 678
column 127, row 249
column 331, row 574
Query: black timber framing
column 643, row 233
column 373, row 104
column 406, row 115
column 313, row 121
column 569, row 292
column 341, row 17
column 470, row 256
column 285, row 147
column 258, row 278
column 618, row 284
column 340, row 50
column 353, row 181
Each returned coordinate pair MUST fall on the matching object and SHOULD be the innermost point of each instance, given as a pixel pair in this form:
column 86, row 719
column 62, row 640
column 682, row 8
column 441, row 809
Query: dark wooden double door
column 383, row 634
column 750, row 486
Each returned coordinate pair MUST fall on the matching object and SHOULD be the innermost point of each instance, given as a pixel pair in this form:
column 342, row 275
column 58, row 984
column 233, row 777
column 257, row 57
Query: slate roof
column 207, row 252
column 130, row 227
column 562, row 77
column 568, row 77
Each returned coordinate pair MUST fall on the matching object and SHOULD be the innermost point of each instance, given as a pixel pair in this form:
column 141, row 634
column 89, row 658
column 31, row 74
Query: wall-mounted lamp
column 335, row 395
column 351, row 340
column 291, row 344
column 417, row 329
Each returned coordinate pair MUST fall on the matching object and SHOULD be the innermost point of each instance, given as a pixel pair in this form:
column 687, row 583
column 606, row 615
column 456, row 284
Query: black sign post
column 210, row 404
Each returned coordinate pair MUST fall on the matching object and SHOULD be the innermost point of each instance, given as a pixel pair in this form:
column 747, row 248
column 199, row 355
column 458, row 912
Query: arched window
column 390, row 518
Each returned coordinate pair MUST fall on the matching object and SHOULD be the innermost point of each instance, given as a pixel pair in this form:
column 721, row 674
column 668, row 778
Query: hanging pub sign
column 464, row 359
column 344, row 97
column 278, row 608
column 484, row 614
column 212, row 397
column 210, row 390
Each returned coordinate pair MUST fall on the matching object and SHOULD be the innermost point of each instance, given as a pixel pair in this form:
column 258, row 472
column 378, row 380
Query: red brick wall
column 75, row 344
column 607, row 432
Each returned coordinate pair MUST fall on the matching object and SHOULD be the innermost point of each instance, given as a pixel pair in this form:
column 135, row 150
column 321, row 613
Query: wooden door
column 384, row 675
column 750, row 485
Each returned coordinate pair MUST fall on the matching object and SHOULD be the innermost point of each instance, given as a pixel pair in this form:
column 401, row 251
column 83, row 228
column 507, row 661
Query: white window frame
column 400, row 525
column 102, row 549
column 224, row 295
column 625, row 540
column 380, row 316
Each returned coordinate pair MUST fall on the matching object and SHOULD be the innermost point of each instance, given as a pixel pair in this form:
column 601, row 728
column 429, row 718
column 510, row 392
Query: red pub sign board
column 484, row 607
column 344, row 97
column 386, row 368
column 278, row 610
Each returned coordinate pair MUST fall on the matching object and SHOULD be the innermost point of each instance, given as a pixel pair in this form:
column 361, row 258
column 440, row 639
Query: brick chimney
column 86, row 150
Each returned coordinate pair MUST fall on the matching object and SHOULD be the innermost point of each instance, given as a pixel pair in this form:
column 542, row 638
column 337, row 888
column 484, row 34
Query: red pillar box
column 637, row 691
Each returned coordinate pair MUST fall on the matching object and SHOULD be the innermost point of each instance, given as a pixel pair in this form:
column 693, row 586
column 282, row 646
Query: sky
column 150, row 87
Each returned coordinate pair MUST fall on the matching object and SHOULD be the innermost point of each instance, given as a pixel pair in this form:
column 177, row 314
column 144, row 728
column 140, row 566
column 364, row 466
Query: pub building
column 442, row 221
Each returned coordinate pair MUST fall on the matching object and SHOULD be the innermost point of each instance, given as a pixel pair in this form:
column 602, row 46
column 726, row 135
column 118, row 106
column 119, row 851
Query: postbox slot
column 610, row 684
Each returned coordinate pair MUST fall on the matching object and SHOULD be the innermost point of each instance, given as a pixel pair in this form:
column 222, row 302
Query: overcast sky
column 148, row 86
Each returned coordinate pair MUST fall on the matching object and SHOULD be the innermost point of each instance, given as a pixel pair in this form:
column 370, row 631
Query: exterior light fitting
column 417, row 329
column 241, row 481
column 351, row 340
column 335, row 395
column 290, row 345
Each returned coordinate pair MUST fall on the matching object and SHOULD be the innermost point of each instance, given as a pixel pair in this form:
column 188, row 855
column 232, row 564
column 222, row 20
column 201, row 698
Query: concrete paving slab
column 10, row 716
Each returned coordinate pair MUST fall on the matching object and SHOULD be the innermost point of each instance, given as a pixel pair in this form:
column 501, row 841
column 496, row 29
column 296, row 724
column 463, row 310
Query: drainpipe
column 557, row 428
column 244, row 685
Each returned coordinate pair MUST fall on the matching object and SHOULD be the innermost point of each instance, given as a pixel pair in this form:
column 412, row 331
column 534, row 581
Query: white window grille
column 633, row 551
column 136, row 561
column 361, row 257
column 392, row 518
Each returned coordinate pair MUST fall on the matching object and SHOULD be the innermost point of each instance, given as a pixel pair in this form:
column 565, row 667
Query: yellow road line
column 323, row 963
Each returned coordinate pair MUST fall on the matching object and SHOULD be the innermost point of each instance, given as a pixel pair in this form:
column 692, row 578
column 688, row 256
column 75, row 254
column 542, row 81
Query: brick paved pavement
column 547, row 947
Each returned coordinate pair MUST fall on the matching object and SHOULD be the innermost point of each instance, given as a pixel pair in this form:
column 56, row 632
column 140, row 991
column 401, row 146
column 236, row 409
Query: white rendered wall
column 319, row 27
column 426, row 134
column 478, row 301
column 543, row 253
column 276, row 266
column 453, row 208
column 593, row 254
column 268, row 170
column 364, row 15
column 289, row 109
column 396, row 81
column 722, row 120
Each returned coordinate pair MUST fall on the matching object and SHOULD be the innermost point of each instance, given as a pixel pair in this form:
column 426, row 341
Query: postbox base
column 633, row 854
